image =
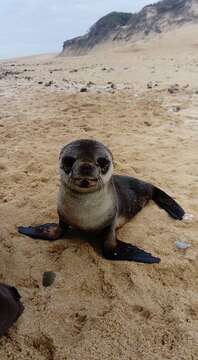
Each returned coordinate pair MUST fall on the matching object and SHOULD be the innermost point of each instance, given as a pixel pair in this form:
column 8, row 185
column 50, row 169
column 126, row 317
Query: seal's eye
column 68, row 162
column 103, row 163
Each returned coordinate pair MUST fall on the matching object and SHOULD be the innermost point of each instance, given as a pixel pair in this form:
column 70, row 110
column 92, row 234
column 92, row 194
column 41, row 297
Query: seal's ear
column 113, row 162
column 62, row 151
column 112, row 158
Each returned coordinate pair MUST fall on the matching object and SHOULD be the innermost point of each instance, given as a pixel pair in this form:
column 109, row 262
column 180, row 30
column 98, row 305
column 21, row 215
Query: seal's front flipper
column 10, row 307
column 167, row 203
column 44, row 232
column 130, row 252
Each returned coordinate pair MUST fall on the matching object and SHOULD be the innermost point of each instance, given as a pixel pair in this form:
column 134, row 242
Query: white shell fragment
column 188, row 217
column 182, row 245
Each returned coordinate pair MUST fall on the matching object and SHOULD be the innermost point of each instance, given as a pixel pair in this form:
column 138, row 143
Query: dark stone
column 49, row 83
column 147, row 123
column 90, row 83
column 48, row 278
column 149, row 85
column 173, row 89
column 83, row 89
column 176, row 108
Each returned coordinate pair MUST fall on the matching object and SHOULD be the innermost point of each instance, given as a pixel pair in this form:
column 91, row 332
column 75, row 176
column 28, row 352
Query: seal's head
column 85, row 165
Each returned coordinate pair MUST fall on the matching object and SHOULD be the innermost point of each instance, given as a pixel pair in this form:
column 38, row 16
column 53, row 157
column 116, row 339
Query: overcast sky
column 40, row 26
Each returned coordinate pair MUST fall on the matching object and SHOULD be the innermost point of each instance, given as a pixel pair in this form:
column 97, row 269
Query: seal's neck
column 88, row 211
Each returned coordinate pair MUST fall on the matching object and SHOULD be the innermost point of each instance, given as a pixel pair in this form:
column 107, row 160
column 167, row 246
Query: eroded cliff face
column 105, row 28
column 116, row 26
column 160, row 17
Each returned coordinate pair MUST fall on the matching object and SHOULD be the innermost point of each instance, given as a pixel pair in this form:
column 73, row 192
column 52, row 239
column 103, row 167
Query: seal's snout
column 87, row 169
column 85, row 175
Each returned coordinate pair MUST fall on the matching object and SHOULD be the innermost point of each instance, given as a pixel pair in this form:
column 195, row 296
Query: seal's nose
column 86, row 169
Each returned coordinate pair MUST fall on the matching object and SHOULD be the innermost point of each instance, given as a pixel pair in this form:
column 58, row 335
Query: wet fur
column 114, row 201
column 121, row 199
column 87, row 211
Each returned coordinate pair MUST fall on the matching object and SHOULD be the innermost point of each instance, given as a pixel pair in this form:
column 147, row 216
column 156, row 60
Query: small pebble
column 182, row 245
column 49, row 83
column 147, row 123
column 176, row 108
column 73, row 70
column 90, row 83
column 83, row 89
column 48, row 278
column 149, row 85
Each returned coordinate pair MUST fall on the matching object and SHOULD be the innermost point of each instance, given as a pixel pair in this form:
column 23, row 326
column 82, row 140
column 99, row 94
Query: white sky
column 40, row 26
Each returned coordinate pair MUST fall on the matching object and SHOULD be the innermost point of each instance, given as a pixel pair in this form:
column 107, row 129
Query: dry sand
column 97, row 309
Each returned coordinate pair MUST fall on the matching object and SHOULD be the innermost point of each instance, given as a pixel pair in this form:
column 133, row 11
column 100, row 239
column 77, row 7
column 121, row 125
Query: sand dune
column 97, row 309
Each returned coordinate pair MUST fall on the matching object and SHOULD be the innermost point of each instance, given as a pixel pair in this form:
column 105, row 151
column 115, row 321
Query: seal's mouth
column 85, row 183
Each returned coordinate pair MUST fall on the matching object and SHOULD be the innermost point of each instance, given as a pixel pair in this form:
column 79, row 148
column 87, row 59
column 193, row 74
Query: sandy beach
column 141, row 100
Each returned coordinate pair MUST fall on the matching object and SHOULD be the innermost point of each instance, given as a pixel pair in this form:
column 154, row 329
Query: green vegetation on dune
column 111, row 21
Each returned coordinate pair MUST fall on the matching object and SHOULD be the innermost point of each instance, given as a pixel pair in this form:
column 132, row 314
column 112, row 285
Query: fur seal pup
column 94, row 200
column 10, row 307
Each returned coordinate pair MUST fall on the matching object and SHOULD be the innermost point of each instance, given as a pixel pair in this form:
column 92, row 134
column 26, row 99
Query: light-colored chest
column 86, row 211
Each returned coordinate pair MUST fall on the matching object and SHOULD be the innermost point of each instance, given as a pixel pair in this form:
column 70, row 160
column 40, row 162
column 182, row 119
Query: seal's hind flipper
column 130, row 252
column 44, row 232
column 167, row 203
